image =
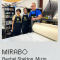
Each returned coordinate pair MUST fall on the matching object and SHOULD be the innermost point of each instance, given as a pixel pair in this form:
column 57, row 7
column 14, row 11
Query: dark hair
column 18, row 10
column 24, row 8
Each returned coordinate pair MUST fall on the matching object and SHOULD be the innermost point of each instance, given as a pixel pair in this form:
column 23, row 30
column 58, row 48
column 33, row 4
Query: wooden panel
column 41, row 4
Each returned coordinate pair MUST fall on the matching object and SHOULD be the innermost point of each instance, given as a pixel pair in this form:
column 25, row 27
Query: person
column 16, row 24
column 25, row 22
column 34, row 14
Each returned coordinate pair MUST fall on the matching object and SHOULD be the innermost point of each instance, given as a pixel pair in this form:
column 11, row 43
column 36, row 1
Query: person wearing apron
column 25, row 22
column 31, row 21
column 16, row 25
column 34, row 15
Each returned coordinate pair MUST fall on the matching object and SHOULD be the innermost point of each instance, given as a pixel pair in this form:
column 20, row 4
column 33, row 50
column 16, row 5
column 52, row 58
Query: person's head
column 33, row 6
column 18, row 11
column 25, row 10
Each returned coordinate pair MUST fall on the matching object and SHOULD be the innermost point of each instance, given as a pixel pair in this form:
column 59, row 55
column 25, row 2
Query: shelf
column 7, row 30
column 9, row 11
column 9, row 14
column 9, row 24
column 49, row 20
column 9, row 7
column 8, row 18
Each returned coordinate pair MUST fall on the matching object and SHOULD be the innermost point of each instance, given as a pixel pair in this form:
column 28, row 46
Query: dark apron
column 25, row 24
column 17, row 26
column 31, row 21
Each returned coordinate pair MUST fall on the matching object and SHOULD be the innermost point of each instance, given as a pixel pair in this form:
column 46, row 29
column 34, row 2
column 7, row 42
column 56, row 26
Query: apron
column 31, row 21
column 17, row 26
column 25, row 24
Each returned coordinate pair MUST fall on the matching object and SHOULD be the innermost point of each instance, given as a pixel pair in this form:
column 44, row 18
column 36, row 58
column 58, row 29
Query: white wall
column 27, row 3
column 45, row 3
column 24, row 3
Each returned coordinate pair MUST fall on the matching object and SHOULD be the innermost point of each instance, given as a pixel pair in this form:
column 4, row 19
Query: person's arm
column 29, row 15
column 13, row 21
column 21, row 19
column 39, row 16
column 12, row 24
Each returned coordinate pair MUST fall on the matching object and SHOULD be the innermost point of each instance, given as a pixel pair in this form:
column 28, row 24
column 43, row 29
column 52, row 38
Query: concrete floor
column 32, row 37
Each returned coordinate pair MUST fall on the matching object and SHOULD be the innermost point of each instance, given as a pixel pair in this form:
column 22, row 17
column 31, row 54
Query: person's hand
column 33, row 18
column 12, row 28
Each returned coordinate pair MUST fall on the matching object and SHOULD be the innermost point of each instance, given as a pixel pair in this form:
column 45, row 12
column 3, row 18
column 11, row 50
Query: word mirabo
column 14, row 51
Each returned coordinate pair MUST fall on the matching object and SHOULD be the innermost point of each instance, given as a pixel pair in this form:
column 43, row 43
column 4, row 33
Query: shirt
column 15, row 16
column 25, row 14
column 38, row 12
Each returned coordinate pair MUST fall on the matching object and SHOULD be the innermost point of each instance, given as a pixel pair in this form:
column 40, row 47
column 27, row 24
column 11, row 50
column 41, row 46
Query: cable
column 50, row 4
